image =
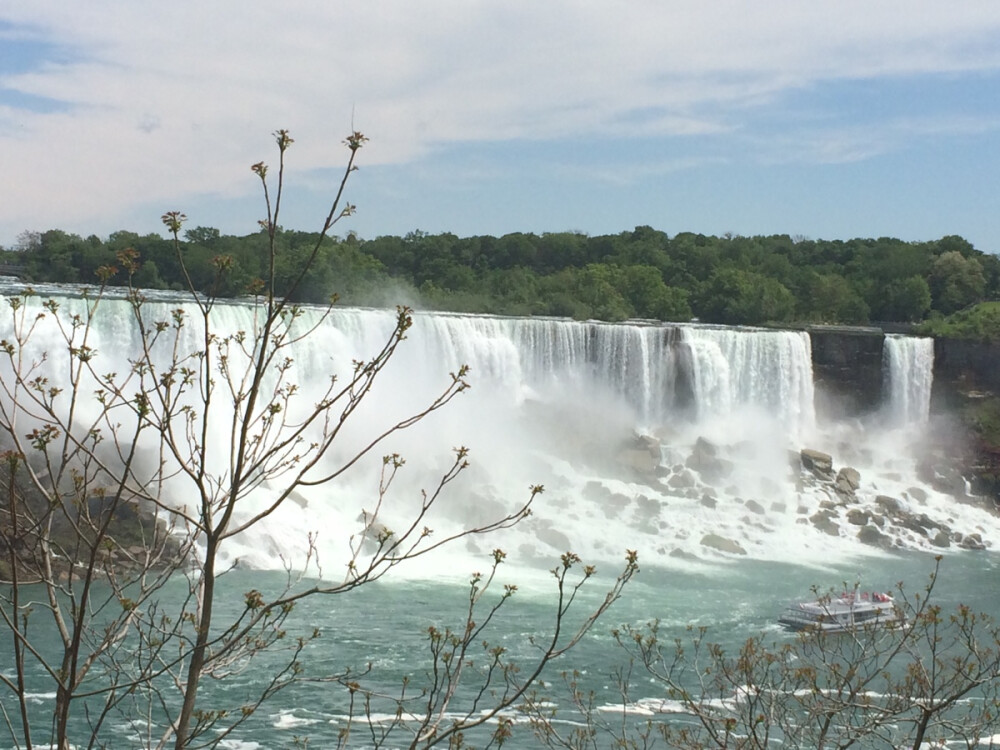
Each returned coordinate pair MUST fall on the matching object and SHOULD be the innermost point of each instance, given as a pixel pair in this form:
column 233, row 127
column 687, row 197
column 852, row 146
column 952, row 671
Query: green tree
column 956, row 282
column 202, row 235
column 599, row 287
column 649, row 297
column 738, row 297
column 906, row 299
column 513, row 250
column 830, row 298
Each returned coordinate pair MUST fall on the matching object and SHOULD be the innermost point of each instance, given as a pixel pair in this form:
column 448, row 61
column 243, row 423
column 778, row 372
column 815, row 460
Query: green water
column 385, row 625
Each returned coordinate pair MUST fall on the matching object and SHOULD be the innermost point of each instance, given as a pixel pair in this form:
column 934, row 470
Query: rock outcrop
column 721, row 544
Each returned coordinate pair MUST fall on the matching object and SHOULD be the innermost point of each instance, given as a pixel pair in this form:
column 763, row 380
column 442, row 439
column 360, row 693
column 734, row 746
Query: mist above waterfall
column 680, row 441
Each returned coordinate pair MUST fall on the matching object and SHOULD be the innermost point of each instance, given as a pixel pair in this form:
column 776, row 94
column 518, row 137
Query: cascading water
column 908, row 369
column 769, row 371
column 681, row 441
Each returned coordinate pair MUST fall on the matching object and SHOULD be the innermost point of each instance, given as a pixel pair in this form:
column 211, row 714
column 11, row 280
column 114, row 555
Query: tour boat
column 840, row 614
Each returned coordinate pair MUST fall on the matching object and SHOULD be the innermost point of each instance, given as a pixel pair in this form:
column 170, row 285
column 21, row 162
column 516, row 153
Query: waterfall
column 660, row 436
column 765, row 371
column 908, row 374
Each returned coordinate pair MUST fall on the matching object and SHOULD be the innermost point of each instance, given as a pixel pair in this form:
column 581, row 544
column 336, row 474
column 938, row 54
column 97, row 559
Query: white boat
column 840, row 614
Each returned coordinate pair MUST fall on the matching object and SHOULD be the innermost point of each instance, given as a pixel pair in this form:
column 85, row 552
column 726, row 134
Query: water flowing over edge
column 681, row 441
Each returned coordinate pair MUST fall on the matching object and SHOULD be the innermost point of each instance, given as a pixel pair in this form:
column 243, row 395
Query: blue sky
column 819, row 119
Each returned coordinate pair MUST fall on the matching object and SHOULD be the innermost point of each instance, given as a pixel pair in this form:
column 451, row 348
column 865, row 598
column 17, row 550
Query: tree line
column 642, row 273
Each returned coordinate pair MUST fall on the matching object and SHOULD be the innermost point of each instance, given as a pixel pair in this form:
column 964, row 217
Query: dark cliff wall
column 965, row 401
column 967, row 395
column 967, row 364
column 847, row 369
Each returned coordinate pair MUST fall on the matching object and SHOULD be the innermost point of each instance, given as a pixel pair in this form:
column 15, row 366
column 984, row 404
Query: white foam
column 553, row 402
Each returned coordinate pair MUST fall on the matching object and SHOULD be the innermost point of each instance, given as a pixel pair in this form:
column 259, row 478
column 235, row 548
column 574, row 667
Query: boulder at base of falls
column 825, row 520
column 848, row 481
column 706, row 461
column 850, row 475
column 942, row 476
column 888, row 504
column 972, row 541
column 641, row 454
column 546, row 533
column 871, row 536
column 858, row 517
column 818, row 463
column 941, row 539
column 720, row 543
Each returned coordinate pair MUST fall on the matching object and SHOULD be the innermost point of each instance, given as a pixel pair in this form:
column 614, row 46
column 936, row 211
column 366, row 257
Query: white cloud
column 169, row 99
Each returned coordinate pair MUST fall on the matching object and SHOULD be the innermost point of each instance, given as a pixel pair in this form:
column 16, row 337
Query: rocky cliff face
column 970, row 365
column 965, row 402
column 967, row 388
column 847, row 369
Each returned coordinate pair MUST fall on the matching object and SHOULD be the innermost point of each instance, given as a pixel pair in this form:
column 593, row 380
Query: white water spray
column 721, row 414
column 908, row 367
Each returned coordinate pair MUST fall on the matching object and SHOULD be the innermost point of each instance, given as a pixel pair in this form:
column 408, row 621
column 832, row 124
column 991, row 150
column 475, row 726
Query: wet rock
column 705, row 459
column 888, row 504
column 851, row 476
column 596, row 491
column 615, row 505
column 917, row 493
column 927, row 522
column 972, row 541
column 618, row 500
column 848, row 481
column 921, row 524
column 708, row 501
column 858, row 517
column 910, row 524
column 650, row 444
column 941, row 539
column 824, row 521
column 678, row 553
column 871, row 536
column 942, row 477
column 705, row 448
column 721, row 544
column 638, row 459
column 685, row 480
column 844, row 493
column 819, row 464
column 647, row 507
column 755, row 507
